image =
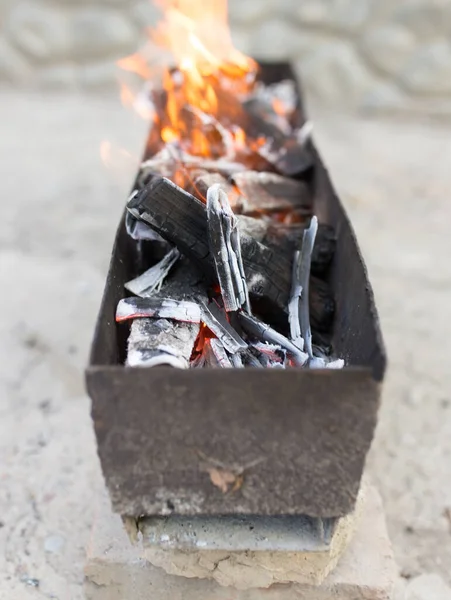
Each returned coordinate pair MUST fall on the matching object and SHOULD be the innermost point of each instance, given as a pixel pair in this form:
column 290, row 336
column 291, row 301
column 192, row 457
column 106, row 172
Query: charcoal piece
column 251, row 360
column 158, row 308
column 146, row 284
column 293, row 305
column 159, row 342
column 253, row 227
column 178, row 217
column 302, row 281
column 225, row 247
column 184, row 282
column 288, row 156
column 237, row 361
column 288, row 238
column 324, row 249
column 322, row 305
column 218, row 355
column 270, row 192
column 276, row 355
column 263, row 332
column 140, row 231
column 216, row 320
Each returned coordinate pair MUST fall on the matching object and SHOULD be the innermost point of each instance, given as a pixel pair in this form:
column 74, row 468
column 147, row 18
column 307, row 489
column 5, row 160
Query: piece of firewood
column 322, row 305
column 302, row 279
column 161, row 342
column 270, row 192
column 288, row 238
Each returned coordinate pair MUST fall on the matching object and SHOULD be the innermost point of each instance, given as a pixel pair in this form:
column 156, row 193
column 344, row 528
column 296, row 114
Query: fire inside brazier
column 237, row 359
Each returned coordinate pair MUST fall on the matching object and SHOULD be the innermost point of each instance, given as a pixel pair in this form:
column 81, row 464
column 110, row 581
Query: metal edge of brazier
column 298, row 438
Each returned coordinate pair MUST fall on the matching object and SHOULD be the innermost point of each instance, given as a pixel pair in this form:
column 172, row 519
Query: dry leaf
column 238, row 483
column 222, row 478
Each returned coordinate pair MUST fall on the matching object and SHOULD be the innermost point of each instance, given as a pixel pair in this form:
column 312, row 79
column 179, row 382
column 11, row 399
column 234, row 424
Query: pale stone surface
column 427, row 587
column 249, row 569
column 429, row 70
column 99, row 32
column 388, row 48
column 39, row 31
column 59, row 211
column 427, row 19
column 342, row 14
column 335, row 71
column 366, row 571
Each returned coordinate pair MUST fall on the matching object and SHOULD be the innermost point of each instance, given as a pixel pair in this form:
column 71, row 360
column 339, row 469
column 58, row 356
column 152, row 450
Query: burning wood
column 270, row 192
column 216, row 320
column 225, row 246
column 218, row 355
column 166, row 308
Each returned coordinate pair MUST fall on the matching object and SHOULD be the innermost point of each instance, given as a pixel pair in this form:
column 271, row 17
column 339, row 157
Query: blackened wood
column 270, row 192
column 303, row 279
column 158, row 308
column 322, row 305
column 225, row 247
column 215, row 319
column 324, row 249
column 289, row 239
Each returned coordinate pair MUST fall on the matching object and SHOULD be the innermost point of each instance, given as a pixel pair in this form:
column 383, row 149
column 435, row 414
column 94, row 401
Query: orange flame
column 202, row 94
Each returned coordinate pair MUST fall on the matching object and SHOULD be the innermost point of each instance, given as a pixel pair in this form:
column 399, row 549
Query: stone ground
column 59, row 210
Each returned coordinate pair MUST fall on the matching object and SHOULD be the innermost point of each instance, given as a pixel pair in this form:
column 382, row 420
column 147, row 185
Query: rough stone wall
column 386, row 55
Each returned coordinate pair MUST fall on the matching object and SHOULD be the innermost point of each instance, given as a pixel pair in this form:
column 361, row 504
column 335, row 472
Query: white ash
column 225, row 247
column 161, row 342
column 139, row 231
column 152, row 280
column 215, row 319
column 293, row 306
column 159, row 308
column 303, row 279
column 304, row 133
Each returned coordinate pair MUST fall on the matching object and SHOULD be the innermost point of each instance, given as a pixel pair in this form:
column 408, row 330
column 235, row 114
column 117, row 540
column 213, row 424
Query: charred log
column 161, row 342
column 322, row 305
column 269, row 192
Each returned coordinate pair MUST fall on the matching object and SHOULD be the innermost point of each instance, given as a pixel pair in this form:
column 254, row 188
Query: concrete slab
column 116, row 570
